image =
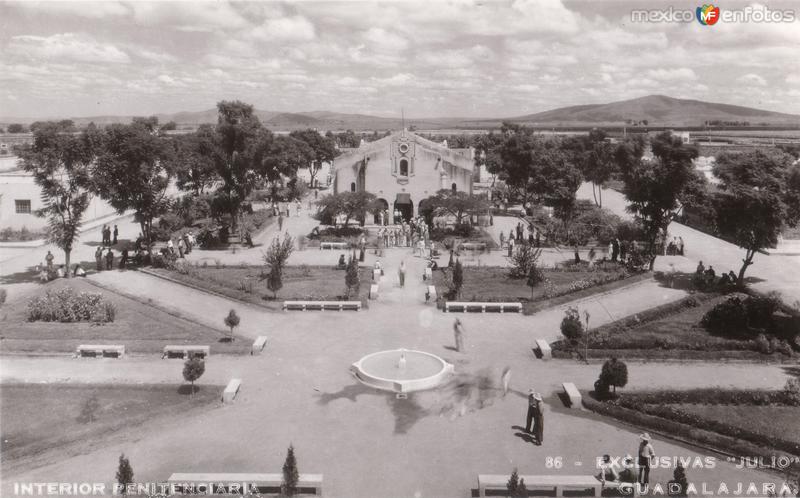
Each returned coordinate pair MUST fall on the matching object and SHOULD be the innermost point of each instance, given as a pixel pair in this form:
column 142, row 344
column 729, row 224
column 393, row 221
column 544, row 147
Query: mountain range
column 655, row 110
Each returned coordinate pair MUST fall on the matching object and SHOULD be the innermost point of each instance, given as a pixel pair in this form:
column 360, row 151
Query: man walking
column 538, row 419
column 109, row 259
column 280, row 222
column 116, row 234
column 531, row 410
column 459, row 335
column 98, row 258
column 402, row 274
column 49, row 259
column 646, row 455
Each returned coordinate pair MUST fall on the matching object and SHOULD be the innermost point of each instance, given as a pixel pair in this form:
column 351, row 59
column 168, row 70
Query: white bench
column 553, row 484
column 231, row 390
column 466, row 306
column 373, row 291
column 266, row 483
column 432, row 293
column 428, row 275
column 185, row 351
column 333, row 245
column 100, row 350
column 544, row 348
column 474, row 246
column 259, row 345
column 573, row 394
column 322, row 305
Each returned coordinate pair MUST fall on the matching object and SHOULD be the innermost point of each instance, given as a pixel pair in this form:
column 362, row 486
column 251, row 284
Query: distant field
column 751, row 133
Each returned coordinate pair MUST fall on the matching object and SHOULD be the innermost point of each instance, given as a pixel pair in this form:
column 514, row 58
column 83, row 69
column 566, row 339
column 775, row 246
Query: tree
column 516, row 486
column 535, row 277
column 132, row 171
column 169, row 126
column 61, row 166
column 232, row 321
column 657, row 189
column 124, row 473
column 282, row 156
column 460, row 205
column 193, row 369
column 458, row 279
column 291, row 475
column 351, row 205
column 351, row 278
column 759, row 193
column 598, row 163
column 16, row 128
column 614, row 373
column 679, row 485
column 193, row 159
column 571, row 325
column 523, row 259
column 275, row 259
column 324, row 149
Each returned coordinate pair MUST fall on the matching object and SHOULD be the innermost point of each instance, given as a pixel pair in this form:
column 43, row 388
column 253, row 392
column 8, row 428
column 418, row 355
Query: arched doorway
column 405, row 207
column 384, row 209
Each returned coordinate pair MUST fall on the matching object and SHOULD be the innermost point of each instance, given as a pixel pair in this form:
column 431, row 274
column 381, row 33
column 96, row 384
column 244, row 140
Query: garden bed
column 39, row 418
column 670, row 331
column 21, row 235
column 139, row 327
column 245, row 283
column 743, row 423
column 493, row 284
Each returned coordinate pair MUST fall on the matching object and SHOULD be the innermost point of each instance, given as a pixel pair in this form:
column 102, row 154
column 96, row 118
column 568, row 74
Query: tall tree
column 351, row 279
column 275, row 259
column 280, row 157
column 291, row 476
column 759, row 195
column 352, row 205
column 193, row 159
column 598, row 163
column 657, row 189
column 132, row 171
column 324, row 149
column 60, row 164
column 460, row 205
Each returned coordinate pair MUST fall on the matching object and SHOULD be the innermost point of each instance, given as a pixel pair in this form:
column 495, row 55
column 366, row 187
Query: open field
column 141, row 328
column 39, row 418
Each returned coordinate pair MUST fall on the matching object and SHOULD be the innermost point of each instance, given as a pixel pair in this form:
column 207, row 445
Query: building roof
column 460, row 158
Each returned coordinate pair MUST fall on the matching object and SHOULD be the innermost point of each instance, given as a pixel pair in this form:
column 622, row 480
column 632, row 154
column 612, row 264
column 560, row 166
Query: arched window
column 353, row 187
column 403, row 167
column 454, row 188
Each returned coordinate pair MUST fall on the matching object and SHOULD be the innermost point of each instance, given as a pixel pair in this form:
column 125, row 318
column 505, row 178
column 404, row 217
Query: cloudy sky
column 481, row 58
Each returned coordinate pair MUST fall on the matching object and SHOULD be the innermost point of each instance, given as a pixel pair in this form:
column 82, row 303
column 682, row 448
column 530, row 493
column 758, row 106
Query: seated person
column 342, row 263
column 78, row 271
column 700, row 268
column 608, row 472
column 44, row 276
column 724, row 279
column 628, row 472
column 432, row 264
column 60, row 273
column 732, row 277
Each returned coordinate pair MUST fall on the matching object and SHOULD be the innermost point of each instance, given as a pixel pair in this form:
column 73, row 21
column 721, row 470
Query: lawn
column 493, row 284
column 318, row 283
column 141, row 328
column 38, row 418
column 770, row 421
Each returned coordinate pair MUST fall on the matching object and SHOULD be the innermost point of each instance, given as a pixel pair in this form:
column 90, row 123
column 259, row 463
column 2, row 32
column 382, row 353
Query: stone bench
column 373, row 291
column 259, row 345
column 428, row 275
column 431, row 293
column 573, row 394
column 322, row 305
column 473, row 246
column 333, row 245
column 231, row 390
column 544, row 349
column 467, row 306
column 553, row 485
column 100, row 351
column 310, row 484
column 185, row 351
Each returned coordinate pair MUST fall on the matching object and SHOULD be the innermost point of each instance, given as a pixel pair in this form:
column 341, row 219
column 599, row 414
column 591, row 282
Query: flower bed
column 66, row 305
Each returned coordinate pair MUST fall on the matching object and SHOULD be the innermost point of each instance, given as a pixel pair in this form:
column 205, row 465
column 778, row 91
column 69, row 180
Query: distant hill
column 657, row 110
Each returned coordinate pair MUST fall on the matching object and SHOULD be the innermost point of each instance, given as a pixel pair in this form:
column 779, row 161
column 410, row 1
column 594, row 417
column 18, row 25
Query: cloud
column 678, row 74
column 385, row 41
column 793, row 79
column 170, row 81
column 752, row 79
column 194, row 16
column 400, row 79
column 90, row 10
column 69, row 46
column 526, row 88
column 296, row 28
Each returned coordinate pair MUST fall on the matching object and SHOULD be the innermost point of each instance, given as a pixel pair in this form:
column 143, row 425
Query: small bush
column 67, row 306
column 571, row 325
column 728, row 318
column 3, row 296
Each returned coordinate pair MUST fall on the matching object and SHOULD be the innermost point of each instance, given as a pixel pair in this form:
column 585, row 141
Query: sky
column 435, row 58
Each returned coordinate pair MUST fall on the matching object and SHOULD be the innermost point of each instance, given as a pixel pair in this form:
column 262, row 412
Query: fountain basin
column 382, row 370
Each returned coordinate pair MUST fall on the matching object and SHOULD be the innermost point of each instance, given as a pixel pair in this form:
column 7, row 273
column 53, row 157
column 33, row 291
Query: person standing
column 109, row 259
column 510, row 247
column 614, row 250
column 49, row 259
column 116, row 234
column 502, row 240
column 531, row 410
column 181, row 247
column 538, row 419
column 505, row 378
column 98, row 258
column 280, row 222
column 680, row 246
column 646, row 455
column 103, row 235
column 123, row 261
column 459, row 335
column 401, row 273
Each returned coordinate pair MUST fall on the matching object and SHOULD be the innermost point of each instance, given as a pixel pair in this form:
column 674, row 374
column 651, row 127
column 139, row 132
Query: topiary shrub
column 728, row 318
column 571, row 325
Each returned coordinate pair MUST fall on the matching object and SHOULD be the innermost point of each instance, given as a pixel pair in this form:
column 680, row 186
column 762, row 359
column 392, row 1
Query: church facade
column 402, row 170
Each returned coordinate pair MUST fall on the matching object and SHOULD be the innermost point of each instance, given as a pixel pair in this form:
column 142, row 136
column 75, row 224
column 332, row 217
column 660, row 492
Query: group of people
column 610, row 472
column 48, row 271
column 106, row 232
column 184, row 246
column 519, row 235
column 675, row 247
column 709, row 276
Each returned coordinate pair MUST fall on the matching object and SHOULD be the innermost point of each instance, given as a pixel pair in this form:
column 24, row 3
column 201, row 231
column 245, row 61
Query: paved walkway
column 768, row 273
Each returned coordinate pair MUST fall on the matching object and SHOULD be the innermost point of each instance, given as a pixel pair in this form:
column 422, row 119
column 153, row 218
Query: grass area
column 245, row 283
column 770, row 421
column 141, row 328
column 493, row 284
column 39, row 418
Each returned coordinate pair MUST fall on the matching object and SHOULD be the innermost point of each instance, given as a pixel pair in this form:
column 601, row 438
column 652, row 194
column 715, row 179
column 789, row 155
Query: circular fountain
column 401, row 370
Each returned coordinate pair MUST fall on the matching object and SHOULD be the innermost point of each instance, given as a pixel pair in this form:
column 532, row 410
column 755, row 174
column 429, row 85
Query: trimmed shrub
column 67, row 306
column 728, row 318
column 571, row 325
